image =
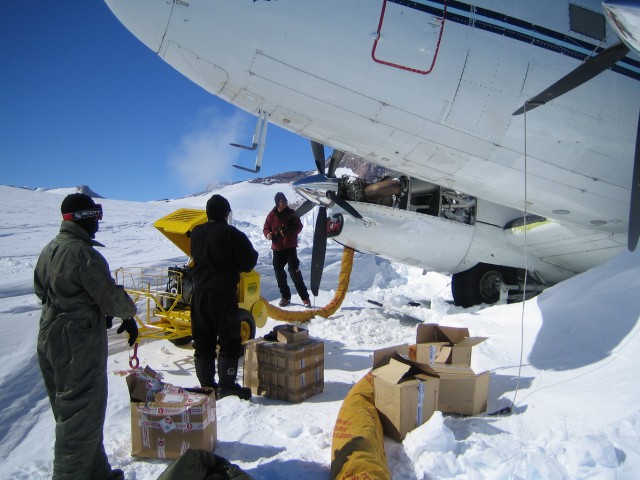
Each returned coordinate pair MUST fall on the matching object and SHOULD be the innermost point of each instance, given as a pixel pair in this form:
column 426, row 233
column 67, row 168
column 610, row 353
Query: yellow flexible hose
column 357, row 448
column 326, row 311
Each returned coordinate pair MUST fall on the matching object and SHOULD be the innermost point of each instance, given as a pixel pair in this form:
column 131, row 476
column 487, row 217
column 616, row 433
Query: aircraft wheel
column 247, row 325
column 480, row 284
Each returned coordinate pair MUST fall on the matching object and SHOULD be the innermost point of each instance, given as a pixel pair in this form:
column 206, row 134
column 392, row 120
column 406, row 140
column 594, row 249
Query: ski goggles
column 82, row 214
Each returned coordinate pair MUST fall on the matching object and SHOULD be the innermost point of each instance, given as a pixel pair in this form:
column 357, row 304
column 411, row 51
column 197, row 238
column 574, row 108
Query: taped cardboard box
column 431, row 335
column 251, row 368
column 284, row 371
column 406, row 393
column 462, row 391
column 167, row 420
column 433, row 352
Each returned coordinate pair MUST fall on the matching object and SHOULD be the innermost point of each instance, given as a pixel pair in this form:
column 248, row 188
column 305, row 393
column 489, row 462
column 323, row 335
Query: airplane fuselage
column 428, row 88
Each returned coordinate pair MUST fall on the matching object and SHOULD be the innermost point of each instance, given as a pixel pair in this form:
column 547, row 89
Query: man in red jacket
column 282, row 227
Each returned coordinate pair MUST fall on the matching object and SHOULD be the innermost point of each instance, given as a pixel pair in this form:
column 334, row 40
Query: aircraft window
column 586, row 22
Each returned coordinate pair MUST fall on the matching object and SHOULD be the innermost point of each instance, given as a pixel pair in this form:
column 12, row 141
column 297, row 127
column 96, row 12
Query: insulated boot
column 227, row 372
column 243, row 393
column 284, row 302
column 116, row 474
column 206, row 372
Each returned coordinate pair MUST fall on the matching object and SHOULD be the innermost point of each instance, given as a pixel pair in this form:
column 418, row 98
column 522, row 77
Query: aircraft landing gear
column 480, row 284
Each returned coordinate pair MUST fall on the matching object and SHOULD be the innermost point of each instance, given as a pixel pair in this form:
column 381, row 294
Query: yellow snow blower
column 163, row 294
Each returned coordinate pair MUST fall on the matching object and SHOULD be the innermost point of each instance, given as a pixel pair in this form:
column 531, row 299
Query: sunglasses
column 82, row 214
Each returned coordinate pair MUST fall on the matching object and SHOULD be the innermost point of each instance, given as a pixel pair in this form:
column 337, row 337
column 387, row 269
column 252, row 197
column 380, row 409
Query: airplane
column 511, row 127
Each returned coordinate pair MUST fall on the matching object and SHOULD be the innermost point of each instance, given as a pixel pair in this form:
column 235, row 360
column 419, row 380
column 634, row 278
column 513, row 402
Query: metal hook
column 134, row 361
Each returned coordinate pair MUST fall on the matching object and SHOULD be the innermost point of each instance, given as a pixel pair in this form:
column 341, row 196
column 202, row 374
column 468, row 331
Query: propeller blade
column 318, row 155
column 634, row 207
column 319, row 250
column 304, row 208
column 336, row 158
column 585, row 72
column 342, row 203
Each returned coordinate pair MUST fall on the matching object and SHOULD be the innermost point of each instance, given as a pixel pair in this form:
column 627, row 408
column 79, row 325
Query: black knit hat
column 218, row 208
column 77, row 202
column 81, row 209
column 279, row 196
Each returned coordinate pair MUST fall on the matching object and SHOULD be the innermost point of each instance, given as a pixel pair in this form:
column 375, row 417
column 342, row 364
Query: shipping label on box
column 284, row 371
column 457, row 338
column 144, row 384
column 174, row 421
column 406, row 395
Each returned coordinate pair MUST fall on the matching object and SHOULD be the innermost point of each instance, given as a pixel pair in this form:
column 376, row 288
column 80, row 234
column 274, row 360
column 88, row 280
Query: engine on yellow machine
column 180, row 284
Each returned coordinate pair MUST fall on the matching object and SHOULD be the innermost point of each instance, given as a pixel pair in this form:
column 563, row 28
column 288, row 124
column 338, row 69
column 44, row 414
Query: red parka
column 279, row 223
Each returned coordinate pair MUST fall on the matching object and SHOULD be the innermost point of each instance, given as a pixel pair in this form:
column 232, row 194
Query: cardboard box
column 251, row 368
column 458, row 339
column 284, row 371
column 434, row 352
column 462, row 391
column 167, row 420
column 406, row 393
column 291, row 333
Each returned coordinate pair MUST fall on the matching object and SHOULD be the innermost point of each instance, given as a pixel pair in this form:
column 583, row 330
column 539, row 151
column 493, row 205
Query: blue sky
column 83, row 102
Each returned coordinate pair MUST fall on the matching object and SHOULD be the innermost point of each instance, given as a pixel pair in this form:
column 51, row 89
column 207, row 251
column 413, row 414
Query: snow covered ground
column 577, row 406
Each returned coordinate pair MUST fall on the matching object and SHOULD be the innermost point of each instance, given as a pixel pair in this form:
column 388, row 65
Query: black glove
column 109, row 321
column 131, row 327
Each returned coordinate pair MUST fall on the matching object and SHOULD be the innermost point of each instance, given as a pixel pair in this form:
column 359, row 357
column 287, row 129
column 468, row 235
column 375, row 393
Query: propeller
column 585, row 72
column 342, row 203
column 321, row 190
column 319, row 249
column 591, row 68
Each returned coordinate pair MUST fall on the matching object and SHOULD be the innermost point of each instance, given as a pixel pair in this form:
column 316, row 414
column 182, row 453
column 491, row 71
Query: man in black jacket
column 220, row 252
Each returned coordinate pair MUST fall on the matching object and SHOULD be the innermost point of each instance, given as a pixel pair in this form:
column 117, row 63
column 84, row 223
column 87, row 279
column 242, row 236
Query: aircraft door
column 408, row 35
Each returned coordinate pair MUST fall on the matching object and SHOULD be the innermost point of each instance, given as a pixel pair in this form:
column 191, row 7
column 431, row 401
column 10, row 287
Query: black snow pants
column 282, row 258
